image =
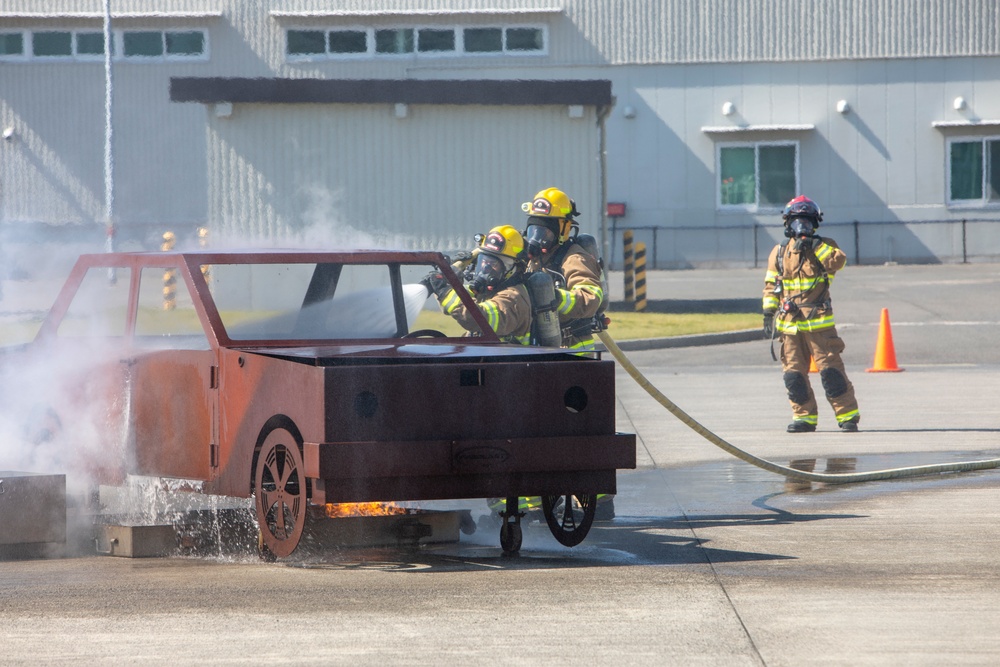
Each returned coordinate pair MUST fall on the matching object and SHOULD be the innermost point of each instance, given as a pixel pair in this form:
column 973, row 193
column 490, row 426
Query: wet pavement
column 709, row 561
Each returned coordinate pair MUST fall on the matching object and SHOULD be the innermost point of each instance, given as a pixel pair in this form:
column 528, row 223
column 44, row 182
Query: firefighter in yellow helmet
column 550, row 235
column 496, row 282
column 797, row 306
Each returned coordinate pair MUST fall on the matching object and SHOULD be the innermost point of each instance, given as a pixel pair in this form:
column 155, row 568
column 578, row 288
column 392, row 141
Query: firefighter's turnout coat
column 577, row 277
column 508, row 312
column 797, row 290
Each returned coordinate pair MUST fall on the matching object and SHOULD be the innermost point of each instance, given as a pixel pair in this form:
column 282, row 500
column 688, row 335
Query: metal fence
column 955, row 241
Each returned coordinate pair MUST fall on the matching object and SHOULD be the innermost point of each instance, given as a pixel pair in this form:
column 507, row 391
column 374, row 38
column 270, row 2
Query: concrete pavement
column 710, row 561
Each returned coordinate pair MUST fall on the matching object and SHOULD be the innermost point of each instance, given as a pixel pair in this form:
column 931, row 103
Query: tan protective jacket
column 508, row 313
column 805, row 279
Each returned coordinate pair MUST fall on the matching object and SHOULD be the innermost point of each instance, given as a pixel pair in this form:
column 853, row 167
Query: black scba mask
column 489, row 273
column 800, row 227
column 541, row 236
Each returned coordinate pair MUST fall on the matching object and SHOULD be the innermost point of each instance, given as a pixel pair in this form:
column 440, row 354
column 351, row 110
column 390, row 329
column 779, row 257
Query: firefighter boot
column 800, row 426
column 850, row 426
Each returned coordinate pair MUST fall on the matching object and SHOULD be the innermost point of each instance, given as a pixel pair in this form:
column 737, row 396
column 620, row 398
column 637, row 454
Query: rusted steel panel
column 350, row 460
column 463, row 400
column 444, row 487
column 172, row 413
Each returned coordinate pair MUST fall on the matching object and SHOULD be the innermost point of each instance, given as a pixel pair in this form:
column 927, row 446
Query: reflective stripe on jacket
column 508, row 313
column 805, row 285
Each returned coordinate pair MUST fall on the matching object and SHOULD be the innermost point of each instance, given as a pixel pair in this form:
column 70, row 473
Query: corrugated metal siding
column 689, row 31
column 356, row 174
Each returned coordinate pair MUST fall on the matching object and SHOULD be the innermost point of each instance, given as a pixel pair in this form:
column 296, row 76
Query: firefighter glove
column 436, row 284
column 808, row 243
column 769, row 324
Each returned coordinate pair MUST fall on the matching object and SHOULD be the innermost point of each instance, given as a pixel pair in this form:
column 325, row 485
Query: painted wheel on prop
column 570, row 516
column 280, row 494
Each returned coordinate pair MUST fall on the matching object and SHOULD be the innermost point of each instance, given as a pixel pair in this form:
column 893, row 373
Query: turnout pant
column 824, row 347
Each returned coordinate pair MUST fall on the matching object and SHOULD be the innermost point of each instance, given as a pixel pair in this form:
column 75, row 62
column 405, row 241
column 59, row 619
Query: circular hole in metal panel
column 575, row 399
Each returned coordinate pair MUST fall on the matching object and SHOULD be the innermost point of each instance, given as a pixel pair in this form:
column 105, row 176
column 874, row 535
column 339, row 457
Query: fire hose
column 791, row 473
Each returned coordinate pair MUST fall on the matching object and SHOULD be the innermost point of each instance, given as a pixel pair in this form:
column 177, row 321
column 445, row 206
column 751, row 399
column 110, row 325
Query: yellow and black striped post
column 629, row 266
column 203, row 243
column 169, row 275
column 640, row 277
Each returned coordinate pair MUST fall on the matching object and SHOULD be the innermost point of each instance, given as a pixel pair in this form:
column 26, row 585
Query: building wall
column 899, row 64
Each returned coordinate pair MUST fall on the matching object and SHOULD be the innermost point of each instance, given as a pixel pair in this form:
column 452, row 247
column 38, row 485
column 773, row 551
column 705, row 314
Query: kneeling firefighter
column 495, row 278
column 797, row 306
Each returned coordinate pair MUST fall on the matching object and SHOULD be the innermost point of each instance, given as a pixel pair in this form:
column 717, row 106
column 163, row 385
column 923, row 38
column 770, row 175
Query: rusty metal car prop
column 302, row 378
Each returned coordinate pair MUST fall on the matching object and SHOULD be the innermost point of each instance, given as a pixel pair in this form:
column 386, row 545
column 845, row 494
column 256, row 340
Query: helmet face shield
column 542, row 236
column 801, row 227
column 490, row 272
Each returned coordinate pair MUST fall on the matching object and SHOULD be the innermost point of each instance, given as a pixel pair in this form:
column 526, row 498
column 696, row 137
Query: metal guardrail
column 763, row 237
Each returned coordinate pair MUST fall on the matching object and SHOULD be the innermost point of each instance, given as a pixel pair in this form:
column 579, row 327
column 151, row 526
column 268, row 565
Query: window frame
column 756, row 206
column 117, row 44
column 25, row 46
column 983, row 202
column 370, row 53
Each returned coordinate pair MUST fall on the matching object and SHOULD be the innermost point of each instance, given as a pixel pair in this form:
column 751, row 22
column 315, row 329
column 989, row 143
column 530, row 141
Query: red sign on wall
column 616, row 209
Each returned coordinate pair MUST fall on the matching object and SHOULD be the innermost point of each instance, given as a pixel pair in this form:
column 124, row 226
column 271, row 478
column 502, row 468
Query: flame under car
column 304, row 378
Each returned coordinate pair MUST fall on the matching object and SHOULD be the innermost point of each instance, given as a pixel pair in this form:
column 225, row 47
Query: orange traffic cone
column 812, row 365
column 885, row 352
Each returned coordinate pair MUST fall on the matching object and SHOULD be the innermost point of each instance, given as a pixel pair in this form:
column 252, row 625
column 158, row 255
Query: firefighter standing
column 576, row 272
column 496, row 282
column 797, row 305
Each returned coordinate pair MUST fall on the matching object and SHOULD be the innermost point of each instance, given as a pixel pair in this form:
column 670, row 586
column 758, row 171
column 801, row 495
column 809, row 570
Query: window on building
column 189, row 43
column 306, row 42
column 90, row 43
column 974, row 171
column 159, row 44
column 11, row 44
column 52, row 44
column 525, row 39
column 397, row 40
column 348, row 41
column 757, row 175
column 429, row 39
column 483, row 40
column 421, row 41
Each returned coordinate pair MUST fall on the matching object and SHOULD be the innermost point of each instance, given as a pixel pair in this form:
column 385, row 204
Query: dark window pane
column 736, row 175
column 11, row 44
column 52, row 44
column 394, row 41
column 993, row 170
column 306, row 42
column 436, row 40
column 967, row 170
column 483, row 40
column 90, row 43
column 524, row 39
column 186, row 43
column 777, row 175
column 143, row 44
column 348, row 41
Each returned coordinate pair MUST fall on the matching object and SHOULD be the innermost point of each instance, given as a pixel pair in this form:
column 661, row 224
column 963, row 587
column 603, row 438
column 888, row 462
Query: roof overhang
column 744, row 129
column 522, row 92
column 965, row 124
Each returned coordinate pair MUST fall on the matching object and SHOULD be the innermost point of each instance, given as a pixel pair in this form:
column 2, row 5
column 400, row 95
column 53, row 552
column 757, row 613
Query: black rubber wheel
column 570, row 516
column 279, row 494
column 426, row 333
column 510, row 537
